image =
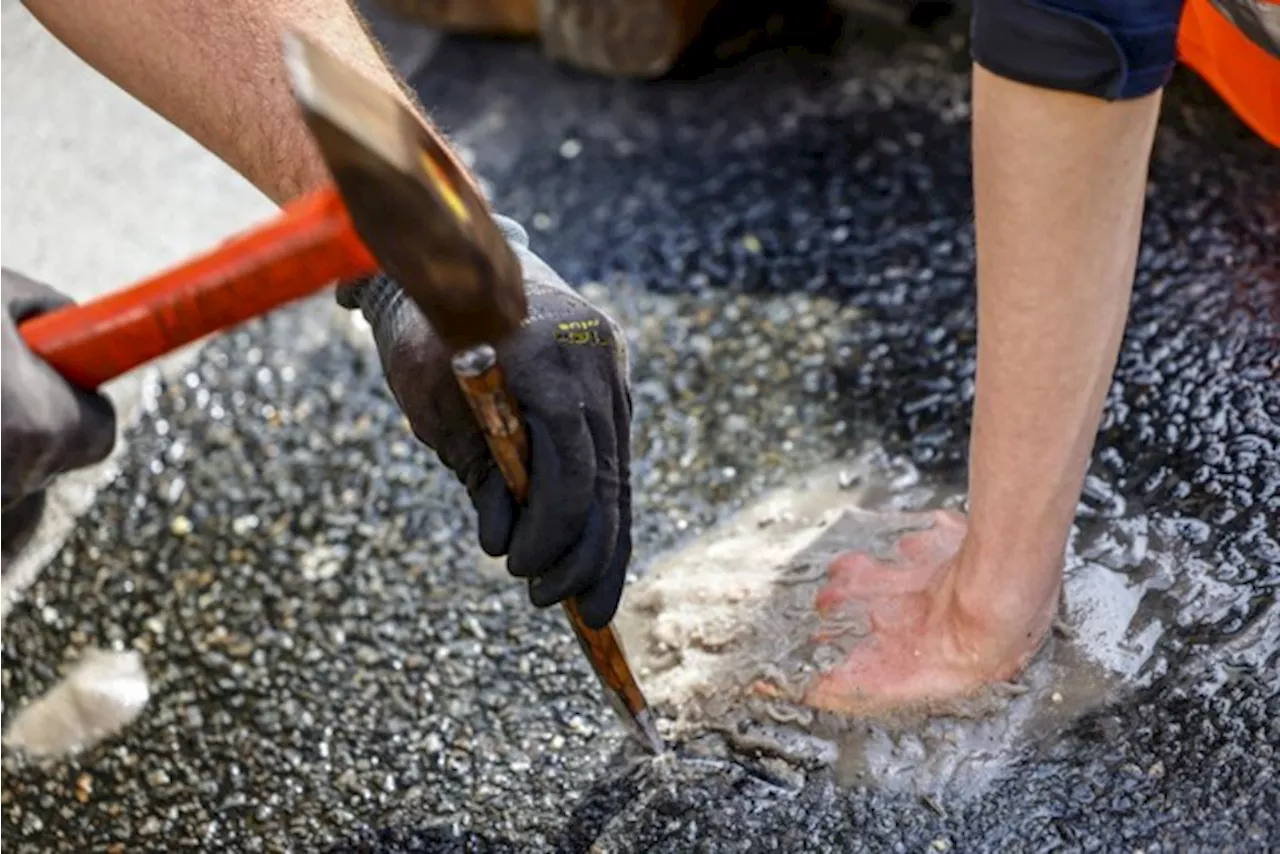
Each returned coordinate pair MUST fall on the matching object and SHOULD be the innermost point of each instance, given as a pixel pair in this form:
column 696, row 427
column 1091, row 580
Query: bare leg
column 513, row 18
column 630, row 38
column 633, row 38
column 1059, row 184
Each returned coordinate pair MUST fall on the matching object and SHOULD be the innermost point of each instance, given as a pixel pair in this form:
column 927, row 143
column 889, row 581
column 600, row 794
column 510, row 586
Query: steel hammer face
column 409, row 201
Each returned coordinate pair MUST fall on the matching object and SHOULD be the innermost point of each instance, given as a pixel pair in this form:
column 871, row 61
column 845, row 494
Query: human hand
column 943, row 622
column 49, row 427
column 567, row 369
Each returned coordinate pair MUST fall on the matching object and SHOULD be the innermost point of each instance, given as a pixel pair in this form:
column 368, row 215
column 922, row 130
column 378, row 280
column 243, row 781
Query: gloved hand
column 48, row 427
column 567, row 369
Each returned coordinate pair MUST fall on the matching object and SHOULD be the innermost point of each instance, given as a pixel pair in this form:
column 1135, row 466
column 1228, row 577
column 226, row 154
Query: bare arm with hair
column 214, row 70
column 1059, row 183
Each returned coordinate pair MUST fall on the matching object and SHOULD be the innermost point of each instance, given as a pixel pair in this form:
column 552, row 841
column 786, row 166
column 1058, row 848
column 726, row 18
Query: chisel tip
column 646, row 732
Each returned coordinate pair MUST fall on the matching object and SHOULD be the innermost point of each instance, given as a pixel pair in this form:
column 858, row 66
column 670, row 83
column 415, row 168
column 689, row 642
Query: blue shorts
column 1113, row 49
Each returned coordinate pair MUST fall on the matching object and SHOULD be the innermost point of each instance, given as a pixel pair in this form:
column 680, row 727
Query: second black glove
column 567, row 369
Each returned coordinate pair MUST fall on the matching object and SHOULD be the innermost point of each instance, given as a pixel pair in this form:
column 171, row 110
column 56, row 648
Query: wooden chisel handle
column 309, row 245
column 485, row 387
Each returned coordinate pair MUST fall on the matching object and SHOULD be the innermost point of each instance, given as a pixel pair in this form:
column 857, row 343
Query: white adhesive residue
column 103, row 694
column 701, row 621
column 707, row 621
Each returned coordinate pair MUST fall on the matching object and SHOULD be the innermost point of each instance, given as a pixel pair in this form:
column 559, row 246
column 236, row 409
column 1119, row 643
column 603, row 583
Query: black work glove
column 49, row 427
column 567, row 369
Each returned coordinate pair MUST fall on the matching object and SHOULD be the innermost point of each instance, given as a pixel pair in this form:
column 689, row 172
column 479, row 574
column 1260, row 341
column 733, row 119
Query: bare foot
column 934, row 634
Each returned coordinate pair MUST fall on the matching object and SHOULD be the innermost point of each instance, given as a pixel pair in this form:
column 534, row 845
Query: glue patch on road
column 104, row 692
column 737, row 606
column 707, row 625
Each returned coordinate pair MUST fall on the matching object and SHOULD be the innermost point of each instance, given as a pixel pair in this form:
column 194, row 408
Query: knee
column 1112, row 49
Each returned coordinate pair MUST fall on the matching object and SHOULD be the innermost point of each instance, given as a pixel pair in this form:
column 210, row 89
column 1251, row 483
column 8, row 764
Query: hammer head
column 409, row 201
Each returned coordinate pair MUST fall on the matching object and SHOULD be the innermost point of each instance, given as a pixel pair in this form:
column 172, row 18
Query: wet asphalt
column 790, row 243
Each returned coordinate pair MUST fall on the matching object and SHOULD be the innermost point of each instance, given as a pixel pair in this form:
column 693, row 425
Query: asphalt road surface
column 332, row 670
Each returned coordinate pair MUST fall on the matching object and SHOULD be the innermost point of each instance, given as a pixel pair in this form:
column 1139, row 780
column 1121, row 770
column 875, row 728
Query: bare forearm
column 1059, row 182
column 214, row 70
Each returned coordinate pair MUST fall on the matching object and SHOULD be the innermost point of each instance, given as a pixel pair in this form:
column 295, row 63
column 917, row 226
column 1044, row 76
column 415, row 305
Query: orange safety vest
column 1235, row 46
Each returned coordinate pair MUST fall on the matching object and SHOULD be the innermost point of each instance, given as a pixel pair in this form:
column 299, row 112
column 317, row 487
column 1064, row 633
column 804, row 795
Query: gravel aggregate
column 790, row 242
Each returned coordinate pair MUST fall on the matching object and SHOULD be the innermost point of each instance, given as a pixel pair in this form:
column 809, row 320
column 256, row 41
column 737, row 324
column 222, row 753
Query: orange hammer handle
column 311, row 244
